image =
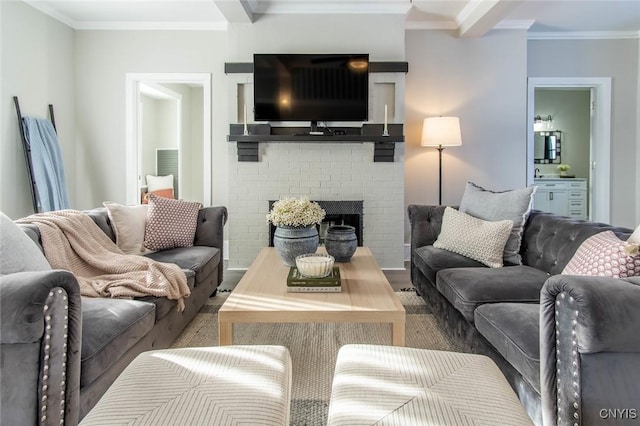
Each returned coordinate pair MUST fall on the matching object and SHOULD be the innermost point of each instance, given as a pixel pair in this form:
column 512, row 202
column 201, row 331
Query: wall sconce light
column 441, row 132
column 542, row 124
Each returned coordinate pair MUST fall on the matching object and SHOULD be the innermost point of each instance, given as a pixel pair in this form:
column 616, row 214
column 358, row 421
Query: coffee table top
column 263, row 288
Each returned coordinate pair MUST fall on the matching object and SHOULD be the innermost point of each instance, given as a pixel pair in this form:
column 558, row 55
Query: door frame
column 132, row 81
column 600, row 140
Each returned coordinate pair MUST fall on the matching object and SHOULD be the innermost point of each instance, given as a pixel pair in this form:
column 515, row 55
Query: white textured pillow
column 514, row 205
column 156, row 183
column 18, row 252
column 128, row 224
column 474, row 238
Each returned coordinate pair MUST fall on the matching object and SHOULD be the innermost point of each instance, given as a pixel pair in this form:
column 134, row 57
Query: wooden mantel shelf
column 248, row 145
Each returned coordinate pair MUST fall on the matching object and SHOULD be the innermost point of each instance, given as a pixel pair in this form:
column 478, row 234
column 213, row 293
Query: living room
column 83, row 71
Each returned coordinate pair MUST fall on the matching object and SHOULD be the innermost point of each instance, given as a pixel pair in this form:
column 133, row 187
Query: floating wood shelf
column 248, row 145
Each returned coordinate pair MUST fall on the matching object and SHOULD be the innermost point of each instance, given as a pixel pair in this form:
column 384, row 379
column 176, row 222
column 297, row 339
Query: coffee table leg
column 397, row 333
column 225, row 332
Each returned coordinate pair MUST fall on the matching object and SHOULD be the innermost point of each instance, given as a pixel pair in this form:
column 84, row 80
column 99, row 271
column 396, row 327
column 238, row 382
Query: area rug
column 314, row 347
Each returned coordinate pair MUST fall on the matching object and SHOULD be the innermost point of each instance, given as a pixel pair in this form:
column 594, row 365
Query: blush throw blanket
column 72, row 241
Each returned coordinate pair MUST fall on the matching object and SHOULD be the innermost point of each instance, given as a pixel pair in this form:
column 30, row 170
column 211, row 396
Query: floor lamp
column 441, row 132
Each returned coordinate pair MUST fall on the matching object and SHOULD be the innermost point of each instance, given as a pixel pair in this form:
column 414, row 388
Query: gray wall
column 617, row 59
column 482, row 81
column 100, row 88
column 570, row 111
column 37, row 66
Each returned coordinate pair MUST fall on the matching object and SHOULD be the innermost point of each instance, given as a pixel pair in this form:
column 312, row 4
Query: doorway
column 191, row 93
column 160, row 132
column 599, row 198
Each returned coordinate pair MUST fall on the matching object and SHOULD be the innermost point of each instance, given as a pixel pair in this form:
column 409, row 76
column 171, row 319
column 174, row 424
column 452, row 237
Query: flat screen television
column 310, row 87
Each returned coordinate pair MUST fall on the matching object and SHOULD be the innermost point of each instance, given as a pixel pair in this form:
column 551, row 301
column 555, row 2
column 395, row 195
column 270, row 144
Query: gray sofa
column 60, row 351
column 569, row 345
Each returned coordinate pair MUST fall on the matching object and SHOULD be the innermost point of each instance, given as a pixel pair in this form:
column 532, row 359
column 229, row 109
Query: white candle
column 245, row 120
column 385, row 117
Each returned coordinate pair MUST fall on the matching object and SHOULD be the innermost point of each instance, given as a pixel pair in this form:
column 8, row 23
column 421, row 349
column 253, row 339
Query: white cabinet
column 566, row 197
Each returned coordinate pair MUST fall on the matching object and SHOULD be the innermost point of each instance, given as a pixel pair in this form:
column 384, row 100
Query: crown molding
column 331, row 8
column 583, row 35
column 48, row 10
column 152, row 26
column 430, row 25
column 514, row 24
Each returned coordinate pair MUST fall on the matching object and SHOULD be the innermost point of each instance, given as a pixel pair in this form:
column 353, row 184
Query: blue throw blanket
column 46, row 164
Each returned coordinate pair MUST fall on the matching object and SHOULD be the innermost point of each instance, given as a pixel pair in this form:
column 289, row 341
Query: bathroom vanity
column 563, row 196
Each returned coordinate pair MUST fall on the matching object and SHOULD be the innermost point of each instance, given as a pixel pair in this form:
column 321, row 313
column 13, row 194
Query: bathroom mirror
column 547, row 147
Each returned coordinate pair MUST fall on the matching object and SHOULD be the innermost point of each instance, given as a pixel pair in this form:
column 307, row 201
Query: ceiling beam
column 236, row 11
column 480, row 16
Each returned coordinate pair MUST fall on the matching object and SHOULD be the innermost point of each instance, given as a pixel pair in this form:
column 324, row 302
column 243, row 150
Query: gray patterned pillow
column 513, row 205
column 170, row 223
column 474, row 238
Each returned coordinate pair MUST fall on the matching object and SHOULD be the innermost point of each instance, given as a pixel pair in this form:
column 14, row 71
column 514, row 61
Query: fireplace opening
column 337, row 213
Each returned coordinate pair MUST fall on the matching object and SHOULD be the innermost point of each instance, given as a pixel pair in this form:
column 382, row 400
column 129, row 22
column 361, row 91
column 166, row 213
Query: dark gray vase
column 341, row 242
column 291, row 241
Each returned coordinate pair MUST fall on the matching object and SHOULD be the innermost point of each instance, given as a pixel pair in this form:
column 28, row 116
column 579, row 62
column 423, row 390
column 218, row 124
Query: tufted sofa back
column 549, row 241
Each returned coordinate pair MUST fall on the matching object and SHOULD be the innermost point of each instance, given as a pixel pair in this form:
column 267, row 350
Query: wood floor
column 399, row 279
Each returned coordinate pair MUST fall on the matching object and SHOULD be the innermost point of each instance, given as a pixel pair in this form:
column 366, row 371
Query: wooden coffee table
column 261, row 297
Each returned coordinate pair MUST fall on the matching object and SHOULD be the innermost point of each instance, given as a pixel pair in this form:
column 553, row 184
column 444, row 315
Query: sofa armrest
column 209, row 231
column 426, row 222
column 589, row 350
column 40, row 336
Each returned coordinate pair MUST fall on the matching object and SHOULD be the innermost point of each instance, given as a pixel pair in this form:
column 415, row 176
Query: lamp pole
column 440, row 148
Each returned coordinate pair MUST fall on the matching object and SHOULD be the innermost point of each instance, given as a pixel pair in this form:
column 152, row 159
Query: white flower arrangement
column 295, row 212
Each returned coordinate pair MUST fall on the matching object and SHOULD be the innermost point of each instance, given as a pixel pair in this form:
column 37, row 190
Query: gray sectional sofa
column 60, row 351
column 569, row 345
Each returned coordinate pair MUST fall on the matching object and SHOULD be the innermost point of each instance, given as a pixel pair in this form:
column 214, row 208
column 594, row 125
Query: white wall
column 38, row 67
column 100, row 89
column 482, row 81
column 617, row 59
column 149, row 136
column 382, row 36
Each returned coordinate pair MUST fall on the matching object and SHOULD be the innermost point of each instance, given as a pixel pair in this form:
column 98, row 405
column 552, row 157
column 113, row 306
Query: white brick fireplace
column 328, row 171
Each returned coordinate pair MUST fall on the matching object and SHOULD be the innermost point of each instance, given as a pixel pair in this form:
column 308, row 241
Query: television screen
column 306, row 87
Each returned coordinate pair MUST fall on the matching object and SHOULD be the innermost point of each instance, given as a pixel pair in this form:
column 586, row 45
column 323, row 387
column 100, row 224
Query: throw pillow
column 474, row 238
column 170, row 223
column 604, row 255
column 156, row 183
column 18, row 252
column 514, row 205
column 128, row 224
column 635, row 237
column 166, row 193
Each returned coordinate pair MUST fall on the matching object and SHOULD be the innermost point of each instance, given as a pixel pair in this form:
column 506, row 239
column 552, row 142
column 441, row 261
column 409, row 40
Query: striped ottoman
column 200, row 386
column 390, row 385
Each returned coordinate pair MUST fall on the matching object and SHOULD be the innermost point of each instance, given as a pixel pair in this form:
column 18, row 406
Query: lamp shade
column 443, row 131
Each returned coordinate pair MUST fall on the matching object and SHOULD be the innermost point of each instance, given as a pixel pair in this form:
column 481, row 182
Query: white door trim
column 131, row 111
column 600, row 146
